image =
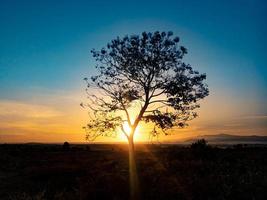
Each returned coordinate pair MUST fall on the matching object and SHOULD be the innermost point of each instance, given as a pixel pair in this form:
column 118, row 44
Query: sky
column 45, row 54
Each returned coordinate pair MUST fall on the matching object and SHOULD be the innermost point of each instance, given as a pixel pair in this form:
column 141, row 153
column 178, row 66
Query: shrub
column 199, row 144
column 202, row 150
column 66, row 146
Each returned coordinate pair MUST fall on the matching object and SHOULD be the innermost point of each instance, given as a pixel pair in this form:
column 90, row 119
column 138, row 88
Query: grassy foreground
column 101, row 172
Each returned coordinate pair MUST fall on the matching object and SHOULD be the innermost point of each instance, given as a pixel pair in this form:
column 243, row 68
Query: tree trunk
column 133, row 177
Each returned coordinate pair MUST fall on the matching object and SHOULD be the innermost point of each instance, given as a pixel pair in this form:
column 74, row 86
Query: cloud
column 21, row 109
column 52, row 120
column 256, row 117
column 21, row 117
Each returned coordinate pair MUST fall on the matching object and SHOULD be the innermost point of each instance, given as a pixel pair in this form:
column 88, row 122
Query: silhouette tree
column 145, row 72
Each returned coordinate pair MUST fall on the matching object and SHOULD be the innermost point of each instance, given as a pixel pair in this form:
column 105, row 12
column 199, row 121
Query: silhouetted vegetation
column 202, row 150
column 199, row 144
column 145, row 72
column 165, row 172
column 66, row 146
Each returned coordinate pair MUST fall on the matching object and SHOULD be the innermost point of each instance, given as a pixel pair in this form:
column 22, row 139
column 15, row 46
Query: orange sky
column 58, row 118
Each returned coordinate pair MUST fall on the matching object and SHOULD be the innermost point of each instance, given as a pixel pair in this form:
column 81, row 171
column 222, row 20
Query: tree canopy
column 145, row 70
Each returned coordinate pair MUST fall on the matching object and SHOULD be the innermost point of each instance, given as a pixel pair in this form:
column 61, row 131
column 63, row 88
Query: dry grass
column 38, row 172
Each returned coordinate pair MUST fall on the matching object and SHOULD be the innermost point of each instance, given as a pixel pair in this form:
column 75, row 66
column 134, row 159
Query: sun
column 137, row 135
column 127, row 128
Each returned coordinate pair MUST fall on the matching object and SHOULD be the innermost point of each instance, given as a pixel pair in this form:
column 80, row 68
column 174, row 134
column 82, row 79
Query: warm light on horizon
column 137, row 134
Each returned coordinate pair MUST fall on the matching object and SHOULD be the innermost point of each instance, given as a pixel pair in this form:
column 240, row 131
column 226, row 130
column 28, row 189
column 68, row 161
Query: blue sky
column 45, row 50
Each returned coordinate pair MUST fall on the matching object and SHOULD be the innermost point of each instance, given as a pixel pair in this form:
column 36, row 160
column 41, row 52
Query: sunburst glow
column 127, row 128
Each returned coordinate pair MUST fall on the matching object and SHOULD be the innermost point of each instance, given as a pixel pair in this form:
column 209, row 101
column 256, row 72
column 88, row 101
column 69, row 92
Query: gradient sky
column 45, row 53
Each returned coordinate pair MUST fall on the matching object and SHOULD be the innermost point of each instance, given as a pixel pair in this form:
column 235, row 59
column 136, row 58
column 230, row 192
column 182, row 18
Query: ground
column 36, row 171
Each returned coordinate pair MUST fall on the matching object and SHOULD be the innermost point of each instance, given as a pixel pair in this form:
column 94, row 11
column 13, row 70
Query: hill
column 231, row 139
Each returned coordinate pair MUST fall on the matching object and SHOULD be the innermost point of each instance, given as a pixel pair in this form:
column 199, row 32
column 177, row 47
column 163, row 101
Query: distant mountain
column 231, row 139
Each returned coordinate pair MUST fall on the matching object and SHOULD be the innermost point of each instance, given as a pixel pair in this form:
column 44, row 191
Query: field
column 36, row 171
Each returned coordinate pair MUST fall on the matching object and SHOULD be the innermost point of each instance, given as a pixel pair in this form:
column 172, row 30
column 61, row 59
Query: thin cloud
column 17, row 109
column 255, row 117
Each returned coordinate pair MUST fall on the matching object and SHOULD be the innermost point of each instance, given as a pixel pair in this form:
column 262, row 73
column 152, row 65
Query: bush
column 202, row 150
column 199, row 144
column 66, row 146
